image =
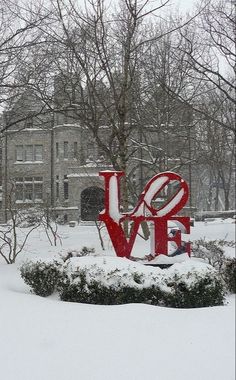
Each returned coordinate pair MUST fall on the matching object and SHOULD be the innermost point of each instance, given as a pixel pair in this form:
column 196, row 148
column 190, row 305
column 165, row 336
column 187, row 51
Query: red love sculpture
column 113, row 218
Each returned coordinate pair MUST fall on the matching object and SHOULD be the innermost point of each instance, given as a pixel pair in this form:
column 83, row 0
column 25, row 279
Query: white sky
column 182, row 4
column 185, row 4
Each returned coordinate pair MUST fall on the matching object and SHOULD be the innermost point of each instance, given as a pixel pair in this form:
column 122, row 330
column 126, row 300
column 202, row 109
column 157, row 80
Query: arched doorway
column 92, row 202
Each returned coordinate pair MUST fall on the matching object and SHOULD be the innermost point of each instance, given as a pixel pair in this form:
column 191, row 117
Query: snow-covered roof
column 78, row 175
column 67, row 126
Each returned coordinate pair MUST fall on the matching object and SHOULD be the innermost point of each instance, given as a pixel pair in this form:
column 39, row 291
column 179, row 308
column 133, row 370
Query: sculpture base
column 162, row 260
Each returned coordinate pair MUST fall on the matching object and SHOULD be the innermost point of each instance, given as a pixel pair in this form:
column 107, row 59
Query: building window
column 82, row 156
column 38, row 191
column 29, row 189
column 29, row 153
column 65, row 117
column 75, row 150
column 134, row 179
column 90, row 152
column 66, row 188
column 57, row 150
column 57, row 187
column 66, row 151
column 101, row 155
column 19, row 153
column 28, row 192
column 29, row 122
column 38, row 153
column 19, row 192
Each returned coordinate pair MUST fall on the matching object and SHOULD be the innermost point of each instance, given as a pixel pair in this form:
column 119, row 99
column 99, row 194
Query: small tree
column 10, row 242
column 28, row 220
column 51, row 228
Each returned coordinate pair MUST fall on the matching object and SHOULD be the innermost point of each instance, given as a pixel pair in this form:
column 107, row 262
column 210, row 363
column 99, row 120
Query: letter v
column 121, row 244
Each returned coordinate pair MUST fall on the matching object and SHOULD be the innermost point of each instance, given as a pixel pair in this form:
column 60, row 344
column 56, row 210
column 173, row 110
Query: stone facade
column 55, row 178
column 53, row 162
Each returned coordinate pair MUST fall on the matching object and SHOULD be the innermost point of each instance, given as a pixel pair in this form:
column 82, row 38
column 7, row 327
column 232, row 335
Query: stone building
column 51, row 161
column 43, row 168
column 54, row 166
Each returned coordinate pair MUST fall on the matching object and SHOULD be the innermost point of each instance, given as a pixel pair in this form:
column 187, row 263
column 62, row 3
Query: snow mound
column 115, row 270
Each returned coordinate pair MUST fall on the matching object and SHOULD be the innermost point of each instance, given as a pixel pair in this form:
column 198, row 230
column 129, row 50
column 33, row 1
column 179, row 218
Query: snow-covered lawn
column 47, row 339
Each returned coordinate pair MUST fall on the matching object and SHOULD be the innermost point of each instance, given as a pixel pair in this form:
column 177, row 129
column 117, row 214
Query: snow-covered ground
column 47, row 339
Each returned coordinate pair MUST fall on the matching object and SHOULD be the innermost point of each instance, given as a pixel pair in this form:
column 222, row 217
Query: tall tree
column 103, row 48
column 209, row 45
column 20, row 33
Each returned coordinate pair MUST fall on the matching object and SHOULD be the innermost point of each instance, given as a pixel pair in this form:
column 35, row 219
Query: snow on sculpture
column 144, row 211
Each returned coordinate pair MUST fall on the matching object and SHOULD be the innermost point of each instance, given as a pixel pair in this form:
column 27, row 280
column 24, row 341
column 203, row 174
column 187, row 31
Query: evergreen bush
column 172, row 289
column 229, row 274
column 41, row 276
column 97, row 293
column 91, row 281
column 213, row 251
column 203, row 291
column 84, row 251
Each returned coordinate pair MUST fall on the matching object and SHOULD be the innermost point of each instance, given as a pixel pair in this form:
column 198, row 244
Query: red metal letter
column 144, row 210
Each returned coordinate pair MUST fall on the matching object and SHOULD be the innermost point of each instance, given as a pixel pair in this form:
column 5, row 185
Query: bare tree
column 209, row 47
column 216, row 152
column 117, row 67
column 20, row 37
column 215, row 58
column 11, row 244
column 101, row 49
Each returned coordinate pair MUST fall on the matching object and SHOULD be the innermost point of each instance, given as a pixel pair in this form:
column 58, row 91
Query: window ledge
column 29, row 201
column 27, row 162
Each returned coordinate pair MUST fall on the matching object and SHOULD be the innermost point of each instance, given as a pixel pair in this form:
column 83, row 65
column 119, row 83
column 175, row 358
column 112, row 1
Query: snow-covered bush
column 211, row 251
column 29, row 217
column 41, row 276
column 97, row 284
column 84, row 251
column 229, row 274
column 195, row 288
column 61, row 220
column 111, row 281
column 96, row 293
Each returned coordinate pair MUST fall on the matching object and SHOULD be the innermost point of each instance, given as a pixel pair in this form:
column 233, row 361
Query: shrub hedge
column 41, row 276
column 195, row 286
column 229, row 274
